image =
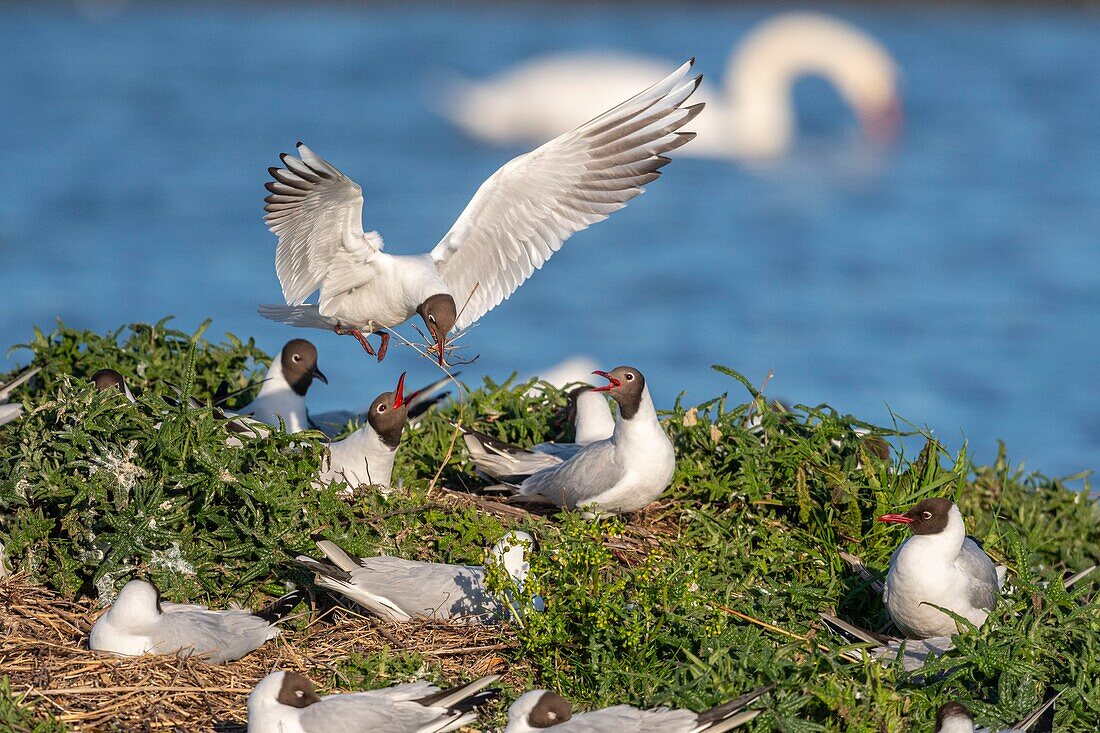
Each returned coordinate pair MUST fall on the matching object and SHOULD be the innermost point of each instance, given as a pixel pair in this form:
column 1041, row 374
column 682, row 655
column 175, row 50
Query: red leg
column 341, row 331
column 384, row 345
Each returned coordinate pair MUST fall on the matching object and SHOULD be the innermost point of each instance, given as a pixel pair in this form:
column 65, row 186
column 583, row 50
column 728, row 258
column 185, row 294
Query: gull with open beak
column 517, row 219
column 366, row 456
column 400, row 590
column 286, row 702
column 592, row 420
column 622, row 473
column 545, row 710
column 937, row 566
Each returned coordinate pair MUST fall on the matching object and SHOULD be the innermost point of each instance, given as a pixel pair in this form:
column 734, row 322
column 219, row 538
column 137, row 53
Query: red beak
column 441, row 342
column 400, row 391
column 607, row 387
column 895, row 518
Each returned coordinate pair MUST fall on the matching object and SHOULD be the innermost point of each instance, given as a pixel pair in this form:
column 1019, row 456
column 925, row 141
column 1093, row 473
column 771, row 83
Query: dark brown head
column 439, row 314
column 388, row 414
column 550, row 710
column 299, row 362
column 953, row 710
column 931, row 516
column 626, row 385
column 297, row 691
column 106, row 379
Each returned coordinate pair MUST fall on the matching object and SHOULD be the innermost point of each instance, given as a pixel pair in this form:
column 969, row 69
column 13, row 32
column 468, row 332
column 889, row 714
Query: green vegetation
column 658, row 608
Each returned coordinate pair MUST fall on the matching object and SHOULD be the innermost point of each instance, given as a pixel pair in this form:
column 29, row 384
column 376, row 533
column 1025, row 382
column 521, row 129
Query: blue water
column 954, row 279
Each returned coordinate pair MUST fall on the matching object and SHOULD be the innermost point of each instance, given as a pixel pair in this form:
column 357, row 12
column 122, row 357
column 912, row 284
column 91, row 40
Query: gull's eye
column 431, row 318
column 381, row 408
column 926, row 515
column 297, row 357
column 299, row 693
column 630, row 376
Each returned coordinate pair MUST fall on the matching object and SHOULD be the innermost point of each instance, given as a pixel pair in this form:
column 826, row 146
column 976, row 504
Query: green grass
column 637, row 607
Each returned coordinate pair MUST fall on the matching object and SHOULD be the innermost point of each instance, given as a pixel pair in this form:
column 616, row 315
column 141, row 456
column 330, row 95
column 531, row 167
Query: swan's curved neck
column 764, row 67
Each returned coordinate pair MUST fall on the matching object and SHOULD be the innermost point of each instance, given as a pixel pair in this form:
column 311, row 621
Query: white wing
column 524, row 212
column 317, row 213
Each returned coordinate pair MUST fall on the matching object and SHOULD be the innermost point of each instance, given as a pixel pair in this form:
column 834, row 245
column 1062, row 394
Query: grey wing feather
column 217, row 636
column 984, row 587
column 428, row 589
column 300, row 316
column 367, row 711
column 917, row 652
column 576, row 482
column 10, row 412
column 627, row 719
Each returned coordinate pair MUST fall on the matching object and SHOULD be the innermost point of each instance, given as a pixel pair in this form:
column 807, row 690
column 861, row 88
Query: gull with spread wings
column 517, row 219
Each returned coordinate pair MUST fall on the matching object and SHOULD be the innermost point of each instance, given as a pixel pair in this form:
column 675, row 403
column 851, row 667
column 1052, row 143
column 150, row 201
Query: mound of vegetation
column 712, row 591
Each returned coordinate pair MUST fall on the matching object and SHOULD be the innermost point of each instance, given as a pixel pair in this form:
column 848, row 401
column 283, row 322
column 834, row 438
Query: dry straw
column 44, row 653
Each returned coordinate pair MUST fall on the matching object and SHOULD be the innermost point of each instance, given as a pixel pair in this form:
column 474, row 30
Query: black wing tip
column 697, row 81
column 691, row 62
column 724, row 710
column 278, row 609
column 299, row 145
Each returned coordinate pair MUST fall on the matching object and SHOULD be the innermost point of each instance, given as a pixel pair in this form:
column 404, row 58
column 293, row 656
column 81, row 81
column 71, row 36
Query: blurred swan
column 754, row 119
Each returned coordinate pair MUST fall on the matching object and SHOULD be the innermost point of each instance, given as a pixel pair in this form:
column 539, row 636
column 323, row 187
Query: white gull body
column 400, row 590
column 541, row 710
column 140, row 623
column 946, row 569
column 284, row 702
column 282, row 396
column 622, row 473
column 366, row 456
column 753, row 119
column 516, row 220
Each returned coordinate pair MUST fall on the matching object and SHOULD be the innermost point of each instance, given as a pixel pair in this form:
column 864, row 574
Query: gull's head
column 298, row 360
column 626, row 386
column 106, row 379
column 388, row 414
column 538, row 710
column 137, row 603
column 953, row 717
column 439, row 314
column 273, row 695
column 930, row 517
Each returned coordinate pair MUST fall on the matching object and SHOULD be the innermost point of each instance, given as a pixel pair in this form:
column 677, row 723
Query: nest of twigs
column 44, row 652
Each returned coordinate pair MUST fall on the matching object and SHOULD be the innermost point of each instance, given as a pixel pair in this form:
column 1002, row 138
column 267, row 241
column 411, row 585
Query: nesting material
column 43, row 651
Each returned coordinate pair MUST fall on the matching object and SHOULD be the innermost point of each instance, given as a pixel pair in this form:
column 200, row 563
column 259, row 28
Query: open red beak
column 399, row 398
column 895, row 518
column 607, row 387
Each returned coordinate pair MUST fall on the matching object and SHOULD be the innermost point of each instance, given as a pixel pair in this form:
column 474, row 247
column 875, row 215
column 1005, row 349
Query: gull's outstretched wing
column 524, row 212
column 317, row 213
